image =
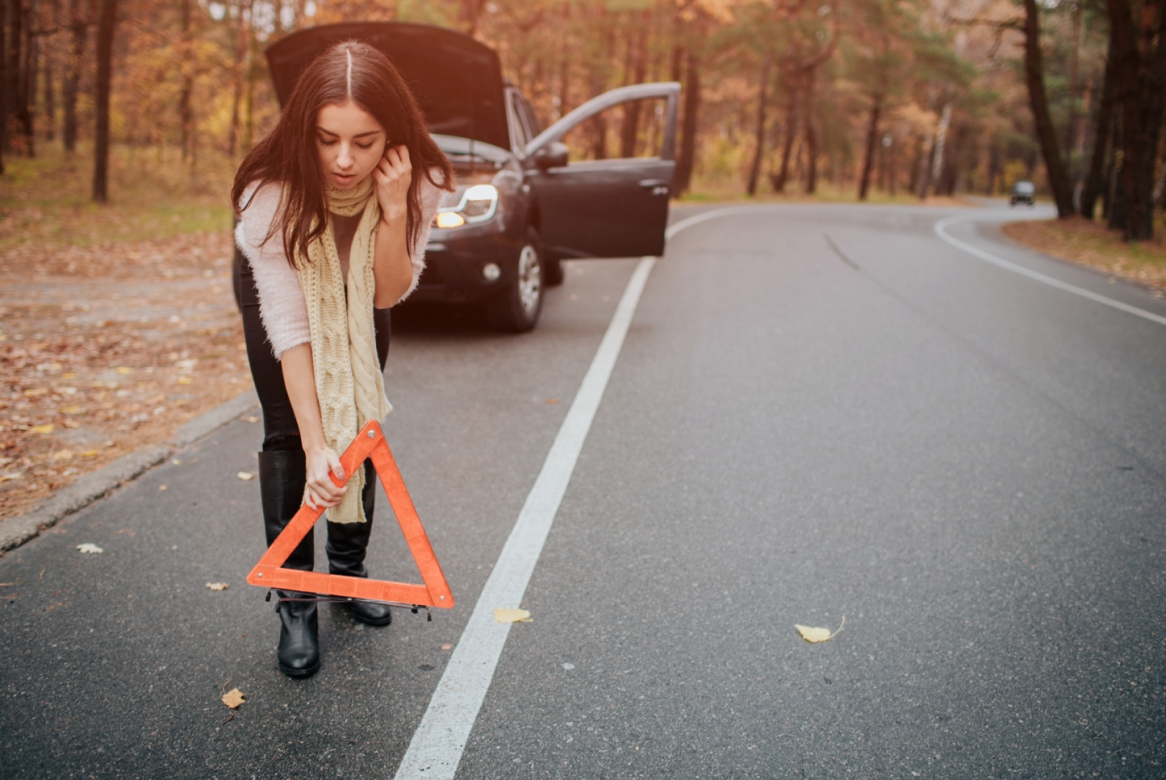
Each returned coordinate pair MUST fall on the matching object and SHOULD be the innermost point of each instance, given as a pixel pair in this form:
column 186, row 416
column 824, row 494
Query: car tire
column 517, row 308
column 553, row 272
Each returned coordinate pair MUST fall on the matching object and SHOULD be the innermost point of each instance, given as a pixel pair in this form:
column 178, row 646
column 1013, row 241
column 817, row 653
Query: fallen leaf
column 124, row 370
column 89, row 547
column 246, row 476
column 71, row 410
column 447, row 646
column 162, row 487
column 46, row 428
column 551, row 401
column 217, row 585
column 62, row 455
column 815, row 635
column 183, row 380
column 88, row 453
column 503, row 615
column 35, row 391
column 176, row 462
column 250, row 419
column 233, row 698
column 10, row 475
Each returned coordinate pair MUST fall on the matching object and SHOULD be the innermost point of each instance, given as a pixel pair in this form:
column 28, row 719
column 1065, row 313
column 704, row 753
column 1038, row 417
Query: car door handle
column 657, row 186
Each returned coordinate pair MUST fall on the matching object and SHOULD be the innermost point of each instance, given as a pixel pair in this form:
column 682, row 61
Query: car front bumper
column 454, row 266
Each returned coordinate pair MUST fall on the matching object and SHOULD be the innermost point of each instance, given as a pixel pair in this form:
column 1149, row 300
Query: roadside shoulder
column 15, row 531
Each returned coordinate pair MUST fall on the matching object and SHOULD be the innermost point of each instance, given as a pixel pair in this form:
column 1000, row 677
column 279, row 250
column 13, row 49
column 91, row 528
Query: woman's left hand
column 392, row 175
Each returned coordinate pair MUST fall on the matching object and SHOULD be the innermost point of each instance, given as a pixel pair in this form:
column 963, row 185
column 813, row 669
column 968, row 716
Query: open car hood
column 457, row 81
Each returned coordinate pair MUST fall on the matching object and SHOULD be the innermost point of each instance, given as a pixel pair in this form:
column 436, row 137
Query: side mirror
column 553, row 155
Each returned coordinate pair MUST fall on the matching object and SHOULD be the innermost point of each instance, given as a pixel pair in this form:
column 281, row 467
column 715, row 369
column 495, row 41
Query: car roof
column 456, row 80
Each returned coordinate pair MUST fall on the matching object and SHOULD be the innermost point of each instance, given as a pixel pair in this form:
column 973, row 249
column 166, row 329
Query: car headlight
column 468, row 207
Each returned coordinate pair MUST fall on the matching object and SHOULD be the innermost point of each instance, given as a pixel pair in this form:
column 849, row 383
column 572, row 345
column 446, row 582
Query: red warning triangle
column 369, row 443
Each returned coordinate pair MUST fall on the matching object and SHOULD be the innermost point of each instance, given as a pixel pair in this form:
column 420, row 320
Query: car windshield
column 1023, row 188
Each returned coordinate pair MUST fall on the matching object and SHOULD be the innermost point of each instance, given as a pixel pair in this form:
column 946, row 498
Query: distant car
column 1022, row 192
column 520, row 207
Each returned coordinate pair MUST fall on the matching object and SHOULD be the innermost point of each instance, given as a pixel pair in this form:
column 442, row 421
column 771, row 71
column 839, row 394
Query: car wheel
column 517, row 308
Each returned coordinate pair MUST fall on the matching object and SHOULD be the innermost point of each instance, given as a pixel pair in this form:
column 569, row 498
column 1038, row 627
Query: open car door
column 593, row 203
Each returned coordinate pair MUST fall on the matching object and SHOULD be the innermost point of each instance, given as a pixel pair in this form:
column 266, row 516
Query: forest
column 840, row 99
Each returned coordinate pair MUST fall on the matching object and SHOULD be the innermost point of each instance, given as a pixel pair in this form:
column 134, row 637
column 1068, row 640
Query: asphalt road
column 818, row 411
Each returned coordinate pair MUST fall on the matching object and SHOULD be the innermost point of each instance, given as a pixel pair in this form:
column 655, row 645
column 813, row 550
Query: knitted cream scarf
column 349, row 383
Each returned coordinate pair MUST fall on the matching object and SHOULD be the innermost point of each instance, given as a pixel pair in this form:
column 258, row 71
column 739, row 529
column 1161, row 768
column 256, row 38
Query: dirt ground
column 1090, row 243
column 105, row 348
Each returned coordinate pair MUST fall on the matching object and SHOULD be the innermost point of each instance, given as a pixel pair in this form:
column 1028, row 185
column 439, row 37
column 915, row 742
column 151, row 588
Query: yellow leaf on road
column 245, row 476
column 46, row 428
column 62, row 455
column 124, row 370
column 35, row 391
column 89, row 453
column 183, row 380
column 233, row 698
column 503, row 615
column 89, row 547
column 217, row 585
column 815, row 635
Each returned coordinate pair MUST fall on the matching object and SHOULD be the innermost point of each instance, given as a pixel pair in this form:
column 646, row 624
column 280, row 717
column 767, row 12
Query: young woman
column 335, row 207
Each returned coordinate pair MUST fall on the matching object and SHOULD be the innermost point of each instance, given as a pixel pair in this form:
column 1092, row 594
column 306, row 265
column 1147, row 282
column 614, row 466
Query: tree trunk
column 78, row 32
column 28, row 81
column 185, row 116
column 631, row 112
column 1095, row 179
column 106, row 24
column 1140, row 83
column 12, row 70
column 687, row 159
column 759, row 132
column 1058, row 172
column 812, row 136
column 50, row 95
column 792, row 125
column 872, row 135
column 5, row 96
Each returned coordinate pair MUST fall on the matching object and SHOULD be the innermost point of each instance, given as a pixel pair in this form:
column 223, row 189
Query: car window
column 519, row 133
column 533, row 126
column 628, row 130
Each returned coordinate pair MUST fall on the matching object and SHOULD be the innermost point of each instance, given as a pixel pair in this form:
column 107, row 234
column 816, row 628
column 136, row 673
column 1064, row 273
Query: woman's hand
column 392, row 176
column 322, row 462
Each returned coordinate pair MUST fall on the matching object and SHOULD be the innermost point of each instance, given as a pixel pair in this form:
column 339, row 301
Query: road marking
column 941, row 231
column 705, row 216
column 436, row 748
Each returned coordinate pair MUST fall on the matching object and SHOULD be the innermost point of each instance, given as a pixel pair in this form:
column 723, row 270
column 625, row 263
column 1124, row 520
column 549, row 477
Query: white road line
column 941, row 231
column 436, row 748
column 437, row 745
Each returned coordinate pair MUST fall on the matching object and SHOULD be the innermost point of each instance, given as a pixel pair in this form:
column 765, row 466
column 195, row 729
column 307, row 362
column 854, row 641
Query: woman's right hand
column 321, row 491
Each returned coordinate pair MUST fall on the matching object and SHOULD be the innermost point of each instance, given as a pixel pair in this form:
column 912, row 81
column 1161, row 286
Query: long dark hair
column 288, row 154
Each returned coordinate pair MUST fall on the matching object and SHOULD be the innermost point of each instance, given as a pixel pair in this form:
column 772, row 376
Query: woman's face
column 350, row 143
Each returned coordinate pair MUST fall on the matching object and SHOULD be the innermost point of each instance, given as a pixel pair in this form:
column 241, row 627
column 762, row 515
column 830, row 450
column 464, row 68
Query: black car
column 1022, row 192
column 521, row 205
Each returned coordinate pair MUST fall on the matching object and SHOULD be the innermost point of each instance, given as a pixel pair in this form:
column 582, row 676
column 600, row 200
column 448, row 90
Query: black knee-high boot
column 347, row 544
column 282, row 475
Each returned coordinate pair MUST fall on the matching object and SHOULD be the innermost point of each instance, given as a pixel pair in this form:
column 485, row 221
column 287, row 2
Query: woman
column 335, row 207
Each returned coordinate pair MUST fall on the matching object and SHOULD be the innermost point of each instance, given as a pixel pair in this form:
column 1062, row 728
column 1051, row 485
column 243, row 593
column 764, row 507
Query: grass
column 1091, row 243
column 153, row 194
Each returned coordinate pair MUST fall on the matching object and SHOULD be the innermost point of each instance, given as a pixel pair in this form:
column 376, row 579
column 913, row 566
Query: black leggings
column 280, row 431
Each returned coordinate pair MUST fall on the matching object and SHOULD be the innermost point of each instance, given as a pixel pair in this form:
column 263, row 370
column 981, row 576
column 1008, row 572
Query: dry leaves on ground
column 1079, row 240
column 234, row 698
column 504, row 615
column 107, row 348
column 815, row 635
